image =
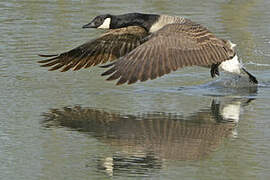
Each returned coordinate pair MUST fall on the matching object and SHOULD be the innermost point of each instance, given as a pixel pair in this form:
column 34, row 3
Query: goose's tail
column 252, row 78
column 234, row 66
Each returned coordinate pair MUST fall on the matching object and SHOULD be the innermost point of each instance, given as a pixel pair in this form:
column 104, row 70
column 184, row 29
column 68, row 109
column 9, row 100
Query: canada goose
column 148, row 46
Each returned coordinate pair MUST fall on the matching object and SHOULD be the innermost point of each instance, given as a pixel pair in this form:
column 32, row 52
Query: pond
column 185, row 125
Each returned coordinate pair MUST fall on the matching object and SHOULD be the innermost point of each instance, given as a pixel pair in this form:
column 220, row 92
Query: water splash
column 224, row 86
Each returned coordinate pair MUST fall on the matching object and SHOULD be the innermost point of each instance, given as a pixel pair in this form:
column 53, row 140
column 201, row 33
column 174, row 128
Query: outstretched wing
column 172, row 47
column 110, row 46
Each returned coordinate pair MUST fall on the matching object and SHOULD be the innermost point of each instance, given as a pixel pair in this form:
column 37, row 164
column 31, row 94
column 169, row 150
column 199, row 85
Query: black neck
column 134, row 19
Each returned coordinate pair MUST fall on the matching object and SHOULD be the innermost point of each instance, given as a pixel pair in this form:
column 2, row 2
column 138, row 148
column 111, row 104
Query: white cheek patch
column 106, row 24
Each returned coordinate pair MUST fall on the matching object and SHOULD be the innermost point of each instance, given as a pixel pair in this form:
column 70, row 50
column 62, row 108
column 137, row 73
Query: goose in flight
column 140, row 47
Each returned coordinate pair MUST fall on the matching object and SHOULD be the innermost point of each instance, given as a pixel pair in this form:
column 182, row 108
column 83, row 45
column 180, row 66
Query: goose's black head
column 101, row 21
column 108, row 21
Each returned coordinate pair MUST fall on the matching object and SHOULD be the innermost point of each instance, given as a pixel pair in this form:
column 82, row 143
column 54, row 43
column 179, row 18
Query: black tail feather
column 251, row 77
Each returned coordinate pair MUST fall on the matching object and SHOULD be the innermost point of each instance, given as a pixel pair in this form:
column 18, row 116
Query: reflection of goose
column 228, row 110
column 208, row 125
column 146, row 139
column 149, row 46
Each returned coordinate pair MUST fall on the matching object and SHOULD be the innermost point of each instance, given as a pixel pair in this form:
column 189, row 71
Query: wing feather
column 172, row 47
column 108, row 47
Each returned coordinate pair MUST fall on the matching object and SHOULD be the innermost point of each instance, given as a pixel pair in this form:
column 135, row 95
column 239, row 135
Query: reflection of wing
column 164, row 135
column 172, row 47
column 108, row 47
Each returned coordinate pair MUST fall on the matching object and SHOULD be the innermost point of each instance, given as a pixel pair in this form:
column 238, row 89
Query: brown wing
column 172, row 47
column 108, row 47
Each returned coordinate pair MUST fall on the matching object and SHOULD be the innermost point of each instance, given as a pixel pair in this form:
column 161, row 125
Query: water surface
column 75, row 125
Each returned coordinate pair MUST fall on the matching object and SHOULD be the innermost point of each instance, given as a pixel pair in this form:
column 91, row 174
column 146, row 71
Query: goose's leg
column 214, row 70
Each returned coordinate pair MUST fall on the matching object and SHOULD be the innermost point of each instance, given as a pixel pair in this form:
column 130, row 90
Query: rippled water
column 185, row 125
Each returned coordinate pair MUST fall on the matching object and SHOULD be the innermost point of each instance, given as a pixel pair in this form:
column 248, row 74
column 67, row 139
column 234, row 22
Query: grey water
column 185, row 125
